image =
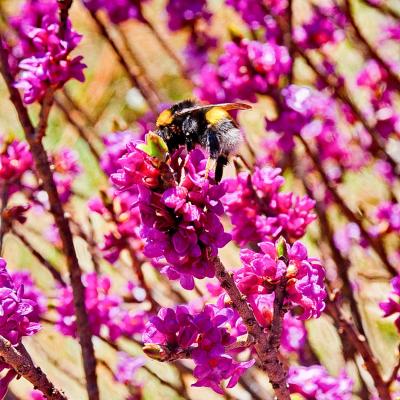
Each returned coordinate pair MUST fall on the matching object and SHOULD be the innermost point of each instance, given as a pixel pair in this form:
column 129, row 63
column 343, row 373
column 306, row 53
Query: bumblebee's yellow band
column 215, row 115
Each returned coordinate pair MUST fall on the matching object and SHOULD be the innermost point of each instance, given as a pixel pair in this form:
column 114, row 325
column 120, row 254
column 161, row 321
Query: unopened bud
column 154, row 351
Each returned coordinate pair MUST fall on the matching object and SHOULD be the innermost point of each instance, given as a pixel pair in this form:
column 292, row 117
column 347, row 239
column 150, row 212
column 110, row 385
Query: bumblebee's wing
column 224, row 106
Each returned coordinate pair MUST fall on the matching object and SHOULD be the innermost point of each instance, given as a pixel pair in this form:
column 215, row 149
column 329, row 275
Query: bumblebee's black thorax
column 177, row 130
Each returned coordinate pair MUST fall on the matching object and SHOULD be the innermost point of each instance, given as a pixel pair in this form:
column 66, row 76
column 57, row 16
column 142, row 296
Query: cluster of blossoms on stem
column 262, row 272
column 314, row 115
column 326, row 26
column 347, row 236
column 294, row 333
column 15, row 160
column 392, row 305
column 180, row 217
column 19, row 317
column 115, row 147
column 246, row 67
column 107, row 314
column 16, row 170
column 314, row 382
column 203, row 336
column 118, row 10
column 66, row 169
column 259, row 211
column 42, row 56
column 388, row 213
column 31, row 292
column 126, row 370
column 257, row 14
column 184, row 13
column 382, row 99
column 127, row 219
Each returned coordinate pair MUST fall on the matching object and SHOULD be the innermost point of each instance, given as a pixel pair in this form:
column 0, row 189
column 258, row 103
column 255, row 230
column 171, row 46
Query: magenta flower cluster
column 205, row 337
column 118, row 10
column 107, row 313
column 43, row 56
column 31, row 292
column 180, row 221
column 15, row 160
column 257, row 14
column 392, row 305
column 314, row 382
column 259, row 211
column 382, row 98
column 66, row 169
column 326, row 26
column 127, row 221
column 184, row 13
column 262, row 272
column 388, row 213
column 16, row 168
column 244, row 69
column 19, row 317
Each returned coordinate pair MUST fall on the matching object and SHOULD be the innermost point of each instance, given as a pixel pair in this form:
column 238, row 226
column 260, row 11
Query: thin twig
column 63, row 7
column 24, row 366
column 360, row 344
column 53, row 271
column 135, row 81
column 395, row 371
column 383, row 8
column 140, row 66
column 85, row 136
column 168, row 49
column 267, row 346
column 3, row 222
column 45, row 174
column 88, row 118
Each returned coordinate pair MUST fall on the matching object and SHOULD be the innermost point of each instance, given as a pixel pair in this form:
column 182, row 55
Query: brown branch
column 360, row 344
column 141, row 74
column 85, row 136
column 3, row 223
column 147, row 94
column 53, row 271
column 377, row 246
column 395, row 371
column 266, row 345
column 44, row 114
column 24, row 366
column 63, row 9
column 45, row 174
column 137, row 267
column 88, row 118
column 384, row 9
column 168, row 49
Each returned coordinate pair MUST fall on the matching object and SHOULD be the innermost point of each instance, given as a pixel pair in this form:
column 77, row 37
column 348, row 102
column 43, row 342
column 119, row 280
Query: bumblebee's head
column 165, row 118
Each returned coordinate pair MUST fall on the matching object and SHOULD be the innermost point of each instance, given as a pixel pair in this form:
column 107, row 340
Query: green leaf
column 281, row 247
column 154, row 146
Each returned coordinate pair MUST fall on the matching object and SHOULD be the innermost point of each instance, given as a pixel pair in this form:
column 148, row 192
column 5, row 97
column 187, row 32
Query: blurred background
column 108, row 101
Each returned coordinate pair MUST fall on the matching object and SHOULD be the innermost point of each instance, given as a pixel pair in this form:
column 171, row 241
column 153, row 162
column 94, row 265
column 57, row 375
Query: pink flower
column 261, row 272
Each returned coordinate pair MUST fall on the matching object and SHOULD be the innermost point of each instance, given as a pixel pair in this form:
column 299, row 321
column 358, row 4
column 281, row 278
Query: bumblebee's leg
column 219, row 168
column 213, row 148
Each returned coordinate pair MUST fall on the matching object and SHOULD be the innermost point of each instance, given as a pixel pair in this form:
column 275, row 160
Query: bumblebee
column 210, row 126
